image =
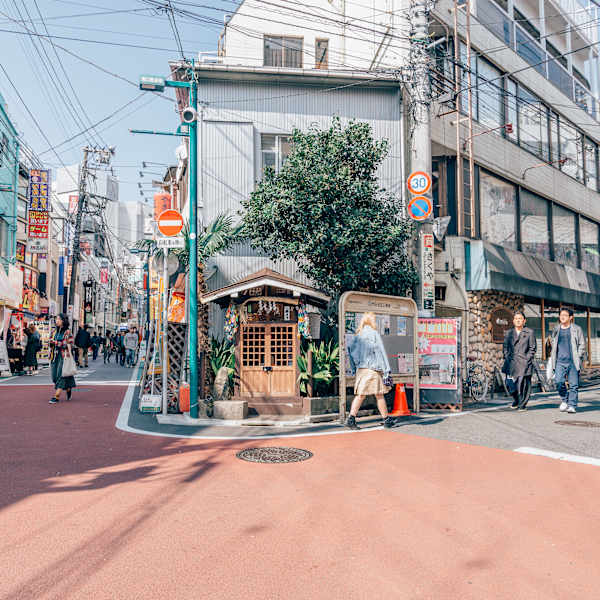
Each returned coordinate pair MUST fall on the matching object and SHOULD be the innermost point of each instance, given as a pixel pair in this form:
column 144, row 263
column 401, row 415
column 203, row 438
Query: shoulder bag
column 69, row 368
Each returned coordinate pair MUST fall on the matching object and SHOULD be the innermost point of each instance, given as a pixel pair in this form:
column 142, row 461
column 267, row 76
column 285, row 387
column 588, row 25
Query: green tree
column 326, row 210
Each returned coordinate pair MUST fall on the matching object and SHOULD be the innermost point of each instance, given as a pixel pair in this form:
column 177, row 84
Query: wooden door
column 282, row 347
column 268, row 360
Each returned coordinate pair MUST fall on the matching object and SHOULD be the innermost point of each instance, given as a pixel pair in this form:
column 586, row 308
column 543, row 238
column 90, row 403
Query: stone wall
column 481, row 304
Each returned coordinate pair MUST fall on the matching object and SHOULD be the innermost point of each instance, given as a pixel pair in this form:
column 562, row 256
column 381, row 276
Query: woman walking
column 368, row 359
column 61, row 346
column 33, row 346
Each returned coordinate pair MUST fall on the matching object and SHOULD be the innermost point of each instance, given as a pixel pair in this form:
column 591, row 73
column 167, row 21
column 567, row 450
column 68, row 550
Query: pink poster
column 438, row 353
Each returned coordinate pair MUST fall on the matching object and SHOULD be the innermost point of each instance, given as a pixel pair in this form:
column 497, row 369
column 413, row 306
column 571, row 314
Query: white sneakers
column 571, row 410
column 563, row 406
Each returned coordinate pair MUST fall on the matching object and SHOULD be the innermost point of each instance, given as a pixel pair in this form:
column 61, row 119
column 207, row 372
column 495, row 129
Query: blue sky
column 54, row 105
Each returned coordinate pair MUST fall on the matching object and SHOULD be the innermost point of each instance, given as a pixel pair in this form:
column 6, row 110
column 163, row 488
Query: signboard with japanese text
column 73, row 202
column 43, row 328
column 427, row 272
column 438, row 353
column 39, row 190
column 38, row 211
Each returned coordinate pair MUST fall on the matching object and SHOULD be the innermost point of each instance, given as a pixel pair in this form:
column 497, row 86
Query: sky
column 66, row 95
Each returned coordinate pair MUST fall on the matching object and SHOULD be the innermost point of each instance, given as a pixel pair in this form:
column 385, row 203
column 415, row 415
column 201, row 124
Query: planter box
column 234, row 410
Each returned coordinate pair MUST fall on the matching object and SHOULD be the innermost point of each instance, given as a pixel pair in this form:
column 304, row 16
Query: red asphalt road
column 88, row 511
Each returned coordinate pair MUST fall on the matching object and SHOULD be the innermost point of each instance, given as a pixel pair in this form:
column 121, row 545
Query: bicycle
column 475, row 381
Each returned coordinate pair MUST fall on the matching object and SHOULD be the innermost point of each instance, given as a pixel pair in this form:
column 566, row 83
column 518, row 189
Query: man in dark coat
column 83, row 341
column 519, row 352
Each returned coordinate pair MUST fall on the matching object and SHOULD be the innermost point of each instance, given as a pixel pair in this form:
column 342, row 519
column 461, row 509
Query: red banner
column 162, row 202
column 38, row 224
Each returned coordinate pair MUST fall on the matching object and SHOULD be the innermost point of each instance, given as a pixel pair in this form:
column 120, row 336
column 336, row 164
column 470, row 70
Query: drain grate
column 579, row 423
column 274, row 455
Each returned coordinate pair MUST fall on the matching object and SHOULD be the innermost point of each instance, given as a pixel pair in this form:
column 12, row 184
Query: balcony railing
column 532, row 52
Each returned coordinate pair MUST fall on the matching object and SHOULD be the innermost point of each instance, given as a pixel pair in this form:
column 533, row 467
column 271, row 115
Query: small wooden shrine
column 266, row 318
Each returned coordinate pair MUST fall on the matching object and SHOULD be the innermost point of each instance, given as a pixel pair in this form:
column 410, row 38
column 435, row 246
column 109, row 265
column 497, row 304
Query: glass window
column 489, row 94
column 321, row 54
column 554, row 141
column 511, row 108
column 464, row 81
column 595, row 338
column 535, row 231
column 590, row 251
column 591, row 168
column 275, row 149
column 282, row 51
column 565, row 242
column 498, row 211
column 533, row 124
column 571, row 149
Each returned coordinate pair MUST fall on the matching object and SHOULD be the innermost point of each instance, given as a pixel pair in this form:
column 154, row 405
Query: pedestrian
column 369, row 361
column 566, row 359
column 96, row 341
column 83, row 341
column 107, row 347
column 33, row 346
column 60, row 346
column 519, row 352
column 131, row 343
column 120, row 348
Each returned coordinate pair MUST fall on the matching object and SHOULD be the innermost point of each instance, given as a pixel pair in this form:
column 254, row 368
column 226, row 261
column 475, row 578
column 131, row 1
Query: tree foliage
column 326, row 210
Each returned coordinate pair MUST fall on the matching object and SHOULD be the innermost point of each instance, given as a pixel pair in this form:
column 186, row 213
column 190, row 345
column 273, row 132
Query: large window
column 571, row 149
column 533, row 124
column 590, row 251
column 498, row 200
column 490, row 106
column 275, row 149
column 282, row 51
column 591, row 164
column 321, row 54
column 535, row 231
column 565, row 239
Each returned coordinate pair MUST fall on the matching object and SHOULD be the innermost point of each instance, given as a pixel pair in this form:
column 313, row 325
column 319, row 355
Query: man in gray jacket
column 568, row 349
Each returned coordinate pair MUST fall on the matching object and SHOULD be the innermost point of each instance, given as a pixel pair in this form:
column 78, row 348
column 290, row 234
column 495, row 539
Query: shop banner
column 38, row 215
column 39, row 189
column 104, row 275
column 73, row 202
column 438, row 353
column 427, row 271
column 43, row 328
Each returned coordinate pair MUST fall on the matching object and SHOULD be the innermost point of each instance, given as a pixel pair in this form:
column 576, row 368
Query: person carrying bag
column 62, row 365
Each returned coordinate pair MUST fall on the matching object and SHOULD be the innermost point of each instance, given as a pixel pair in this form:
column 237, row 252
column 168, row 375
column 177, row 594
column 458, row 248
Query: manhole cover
column 579, row 423
column 274, row 455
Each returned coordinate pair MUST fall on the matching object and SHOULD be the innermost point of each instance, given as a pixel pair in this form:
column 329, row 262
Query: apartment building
column 527, row 235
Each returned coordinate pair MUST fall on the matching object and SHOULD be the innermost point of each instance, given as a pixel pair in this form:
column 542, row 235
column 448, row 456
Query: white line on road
column 586, row 460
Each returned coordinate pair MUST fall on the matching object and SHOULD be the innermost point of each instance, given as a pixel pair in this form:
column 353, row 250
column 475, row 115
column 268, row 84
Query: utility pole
column 420, row 146
column 103, row 155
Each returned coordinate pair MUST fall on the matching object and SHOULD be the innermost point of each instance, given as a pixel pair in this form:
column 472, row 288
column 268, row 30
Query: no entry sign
column 170, row 222
column 419, row 208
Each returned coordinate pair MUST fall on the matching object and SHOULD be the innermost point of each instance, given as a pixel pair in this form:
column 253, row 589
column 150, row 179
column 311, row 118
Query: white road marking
column 586, row 460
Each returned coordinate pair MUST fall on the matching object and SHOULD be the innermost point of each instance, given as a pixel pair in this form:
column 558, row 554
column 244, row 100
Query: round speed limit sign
column 418, row 182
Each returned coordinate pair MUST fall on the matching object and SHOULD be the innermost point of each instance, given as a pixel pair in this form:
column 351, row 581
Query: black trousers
column 523, row 390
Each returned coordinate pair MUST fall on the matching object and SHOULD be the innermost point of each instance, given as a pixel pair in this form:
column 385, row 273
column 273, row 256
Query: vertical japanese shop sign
column 427, row 271
column 38, row 211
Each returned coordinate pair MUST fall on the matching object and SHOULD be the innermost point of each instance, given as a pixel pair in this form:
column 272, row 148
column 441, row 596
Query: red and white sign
column 170, row 223
column 418, row 182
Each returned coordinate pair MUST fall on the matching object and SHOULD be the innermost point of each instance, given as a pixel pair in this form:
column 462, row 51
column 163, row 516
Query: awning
column 491, row 267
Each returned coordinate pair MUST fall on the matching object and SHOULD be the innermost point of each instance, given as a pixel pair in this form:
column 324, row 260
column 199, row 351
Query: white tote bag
column 69, row 368
column 549, row 370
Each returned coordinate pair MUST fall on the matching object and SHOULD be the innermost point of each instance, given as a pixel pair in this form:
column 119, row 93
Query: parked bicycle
column 475, row 380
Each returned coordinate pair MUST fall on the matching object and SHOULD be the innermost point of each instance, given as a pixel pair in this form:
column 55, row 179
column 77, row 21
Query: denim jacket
column 366, row 351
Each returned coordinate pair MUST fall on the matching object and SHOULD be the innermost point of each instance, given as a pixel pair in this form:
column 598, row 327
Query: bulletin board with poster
column 396, row 319
column 439, row 363
column 43, row 328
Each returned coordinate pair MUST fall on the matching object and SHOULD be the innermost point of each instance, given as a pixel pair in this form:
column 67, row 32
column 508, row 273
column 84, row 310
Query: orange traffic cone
column 400, row 408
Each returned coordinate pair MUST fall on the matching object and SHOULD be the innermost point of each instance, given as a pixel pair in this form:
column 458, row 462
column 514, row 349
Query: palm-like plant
column 325, row 366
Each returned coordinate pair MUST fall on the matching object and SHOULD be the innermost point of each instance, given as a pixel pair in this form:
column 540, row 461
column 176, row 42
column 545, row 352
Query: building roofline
column 287, row 75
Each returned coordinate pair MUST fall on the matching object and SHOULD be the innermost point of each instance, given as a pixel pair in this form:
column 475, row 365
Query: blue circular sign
column 420, row 208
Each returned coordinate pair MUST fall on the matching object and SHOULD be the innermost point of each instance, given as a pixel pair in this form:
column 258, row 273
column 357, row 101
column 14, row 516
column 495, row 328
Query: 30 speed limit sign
column 418, row 182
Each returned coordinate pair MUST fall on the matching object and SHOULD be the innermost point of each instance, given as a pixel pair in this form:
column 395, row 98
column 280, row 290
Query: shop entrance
column 268, row 365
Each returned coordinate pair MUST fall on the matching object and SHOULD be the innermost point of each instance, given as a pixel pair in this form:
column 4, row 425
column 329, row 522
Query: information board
column 43, row 328
column 396, row 320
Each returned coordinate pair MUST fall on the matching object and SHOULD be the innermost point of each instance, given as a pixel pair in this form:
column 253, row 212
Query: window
column 591, row 165
column 522, row 20
column 464, row 79
column 571, row 148
column 275, row 149
column 554, row 52
column 565, row 241
column 533, row 124
column 535, row 233
column 554, row 140
column 321, row 54
column 590, row 249
column 498, row 200
column 489, row 94
column 283, row 52
column 3, row 149
column 511, row 109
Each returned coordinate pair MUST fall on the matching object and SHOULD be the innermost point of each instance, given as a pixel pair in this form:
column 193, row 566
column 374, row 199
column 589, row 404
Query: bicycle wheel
column 479, row 382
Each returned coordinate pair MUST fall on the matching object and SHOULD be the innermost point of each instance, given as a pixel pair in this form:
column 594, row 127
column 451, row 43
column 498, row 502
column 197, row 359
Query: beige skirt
column 369, row 382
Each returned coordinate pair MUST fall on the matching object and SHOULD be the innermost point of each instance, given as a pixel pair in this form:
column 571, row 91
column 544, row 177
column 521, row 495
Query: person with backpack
column 33, row 346
column 566, row 359
column 519, row 350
